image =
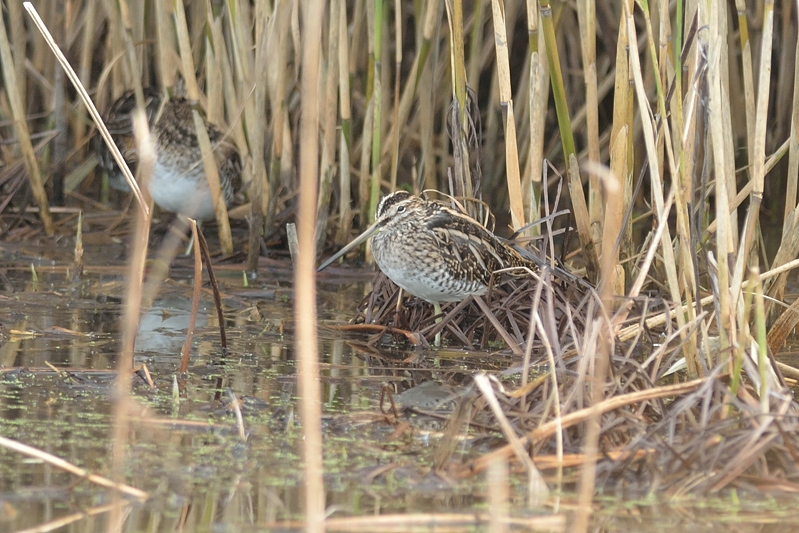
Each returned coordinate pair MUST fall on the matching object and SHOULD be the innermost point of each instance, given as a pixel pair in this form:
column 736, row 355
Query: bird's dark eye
column 400, row 208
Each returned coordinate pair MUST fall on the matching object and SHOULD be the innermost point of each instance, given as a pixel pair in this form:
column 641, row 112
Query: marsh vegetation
column 656, row 142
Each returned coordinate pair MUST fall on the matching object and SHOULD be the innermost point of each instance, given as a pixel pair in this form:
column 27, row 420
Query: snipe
column 178, row 183
column 432, row 251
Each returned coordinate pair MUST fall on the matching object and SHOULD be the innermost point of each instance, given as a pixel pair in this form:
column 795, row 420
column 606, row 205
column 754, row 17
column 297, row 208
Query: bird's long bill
column 358, row 240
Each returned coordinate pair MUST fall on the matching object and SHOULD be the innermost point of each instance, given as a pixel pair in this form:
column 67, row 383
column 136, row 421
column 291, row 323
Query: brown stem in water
column 215, row 289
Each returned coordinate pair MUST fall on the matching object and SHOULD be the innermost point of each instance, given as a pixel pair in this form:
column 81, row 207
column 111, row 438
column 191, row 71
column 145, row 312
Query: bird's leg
column 190, row 246
column 437, row 311
column 399, row 302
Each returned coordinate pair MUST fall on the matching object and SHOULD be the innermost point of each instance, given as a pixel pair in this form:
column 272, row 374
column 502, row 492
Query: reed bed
column 667, row 130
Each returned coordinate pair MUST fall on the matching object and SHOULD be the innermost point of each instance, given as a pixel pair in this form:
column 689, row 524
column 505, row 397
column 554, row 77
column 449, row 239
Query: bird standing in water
column 433, row 251
column 178, row 183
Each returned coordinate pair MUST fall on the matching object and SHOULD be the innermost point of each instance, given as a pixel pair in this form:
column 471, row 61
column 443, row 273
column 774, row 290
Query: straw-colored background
column 591, row 81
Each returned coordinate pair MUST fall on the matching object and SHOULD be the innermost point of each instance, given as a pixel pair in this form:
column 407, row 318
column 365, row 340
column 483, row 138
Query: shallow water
column 185, row 449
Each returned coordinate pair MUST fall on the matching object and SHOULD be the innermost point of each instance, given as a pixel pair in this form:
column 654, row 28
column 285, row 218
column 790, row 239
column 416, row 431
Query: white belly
column 423, row 279
column 181, row 192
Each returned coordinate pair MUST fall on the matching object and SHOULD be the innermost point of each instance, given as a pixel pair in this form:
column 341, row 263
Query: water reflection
column 186, row 451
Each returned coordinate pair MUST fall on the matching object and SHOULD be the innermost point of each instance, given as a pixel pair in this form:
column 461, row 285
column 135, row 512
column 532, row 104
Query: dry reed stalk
column 594, row 367
column 476, row 40
column 726, row 232
column 497, row 497
column 681, row 185
column 611, row 272
column 130, row 319
column 691, row 124
column 208, row 160
column 328, row 124
column 366, row 156
column 363, row 171
column 142, row 200
column 577, row 417
column 427, row 27
column 536, row 486
column 493, row 160
column 376, row 101
column 676, row 102
column 88, row 40
column 553, row 375
column 757, row 157
column 238, row 23
column 625, row 334
column 345, row 136
column 52, row 525
column 12, row 90
column 266, row 34
column 788, row 32
column 133, row 300
column 18, row 38
column 581, row 218
column 72, row 469
column 458, row 116
column 598, row 361
column 665, row 64
column 358, row 29
column 586, row 15
column 793, row 140
column 390, row 523
column 393, row 144
column 748, row 76
column 214, row 86
column 428, row 179
column 457, row 59
column 533, row 187
column 669, row 260
column 166, row 48
column 783, row 326
column 234, row 96
column 238, row 77
column 621, row 157
column 197, row 286
column 763, row 362
column 681, row 168
column 131, row 65
column 305, row 270
column 77, row 263
column 42, row 59
column 643, row 269
column 235, row 406
column 513, row 175
column 579, row 207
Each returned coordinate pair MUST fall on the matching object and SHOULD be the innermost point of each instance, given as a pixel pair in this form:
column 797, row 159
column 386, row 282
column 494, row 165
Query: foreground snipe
column 178, row 183
column 433, row 251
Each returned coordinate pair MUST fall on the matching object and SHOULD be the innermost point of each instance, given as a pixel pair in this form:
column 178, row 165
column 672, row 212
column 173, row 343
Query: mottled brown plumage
column 178, row 183
column 118, row 121
column 434, row 251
